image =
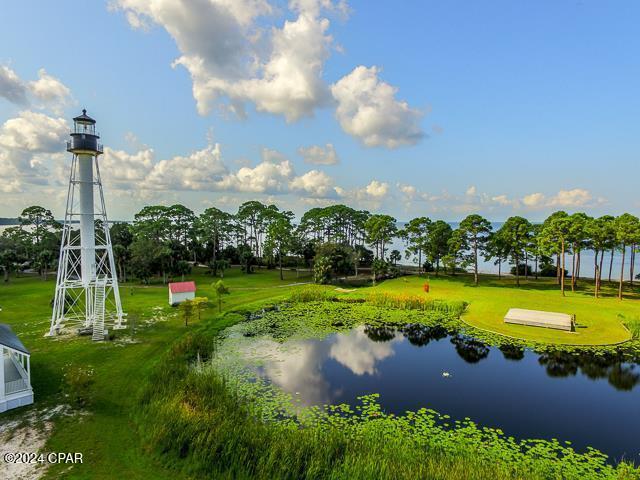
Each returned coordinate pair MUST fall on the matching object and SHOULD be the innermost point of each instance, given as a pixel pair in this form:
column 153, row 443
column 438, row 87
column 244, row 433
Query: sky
column 411, row 108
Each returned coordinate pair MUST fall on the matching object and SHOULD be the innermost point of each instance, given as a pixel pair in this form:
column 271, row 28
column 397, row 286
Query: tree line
column 337, row 240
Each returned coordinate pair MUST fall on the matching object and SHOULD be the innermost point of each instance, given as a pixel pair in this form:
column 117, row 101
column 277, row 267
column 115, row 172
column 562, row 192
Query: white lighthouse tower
column 87, row 292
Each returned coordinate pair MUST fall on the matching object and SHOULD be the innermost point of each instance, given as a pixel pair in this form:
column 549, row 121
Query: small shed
column 539, row 318
column 181, row 291
column 15, row 374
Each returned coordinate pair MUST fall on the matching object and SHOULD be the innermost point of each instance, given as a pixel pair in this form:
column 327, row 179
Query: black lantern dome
column 84, row 138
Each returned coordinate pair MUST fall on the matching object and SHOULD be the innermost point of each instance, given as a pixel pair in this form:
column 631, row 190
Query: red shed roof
column 182, row 287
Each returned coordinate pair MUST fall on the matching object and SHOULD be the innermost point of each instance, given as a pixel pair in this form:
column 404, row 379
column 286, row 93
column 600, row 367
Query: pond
column 586, row 399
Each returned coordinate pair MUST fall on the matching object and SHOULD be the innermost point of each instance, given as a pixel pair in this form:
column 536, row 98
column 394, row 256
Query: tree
column 378, row 268
column 416, row 236
column 182, row 222
column 535, row 248
column 515, row 234
column 199, row 304
column 42, row 235
column 216, row 228
column 40, row 220
column 221, row 289
column 362, row 256
column 253, row 216
column 280, row 236
column 627, row 227
column 186, row 309
column 598, row 231
column 334, row 224
column 395, row 256
column 154, row 248
column 496, row 248
column 578, row 238
column 220, row 266
column 439, row 233
column 380, row 230
column 148, row 256
column 475, row 230
column 9, row 254
column 555, row 236
column 121, row 240
column 246, row 258
column 182, row 268
column 457, row 244
column 332, row 259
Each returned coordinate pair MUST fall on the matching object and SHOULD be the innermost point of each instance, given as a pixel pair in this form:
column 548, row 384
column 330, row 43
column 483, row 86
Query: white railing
column 15, row 386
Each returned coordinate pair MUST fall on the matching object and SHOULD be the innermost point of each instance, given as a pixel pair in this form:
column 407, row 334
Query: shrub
column 521, row 270
column 633, row 324
column 331, row 260
column 322, row 271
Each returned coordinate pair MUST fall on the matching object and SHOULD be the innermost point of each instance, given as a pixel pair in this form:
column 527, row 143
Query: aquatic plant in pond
column 422, row 434
column 313, row 319
column 406, row 364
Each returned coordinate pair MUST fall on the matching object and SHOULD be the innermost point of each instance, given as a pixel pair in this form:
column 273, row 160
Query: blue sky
column 432, row 108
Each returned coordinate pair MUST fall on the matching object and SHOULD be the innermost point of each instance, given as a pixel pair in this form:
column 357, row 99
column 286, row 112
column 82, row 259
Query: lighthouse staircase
column 98, row 311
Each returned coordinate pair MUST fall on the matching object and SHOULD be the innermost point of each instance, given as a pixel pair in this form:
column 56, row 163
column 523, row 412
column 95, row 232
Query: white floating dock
column 539, row 318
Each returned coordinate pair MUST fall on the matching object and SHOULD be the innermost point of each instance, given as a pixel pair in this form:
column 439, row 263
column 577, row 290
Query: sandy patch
column 27, row 434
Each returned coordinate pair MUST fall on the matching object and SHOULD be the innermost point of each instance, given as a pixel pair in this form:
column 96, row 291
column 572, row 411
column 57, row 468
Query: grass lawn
column 599, row 321
column 106, row 435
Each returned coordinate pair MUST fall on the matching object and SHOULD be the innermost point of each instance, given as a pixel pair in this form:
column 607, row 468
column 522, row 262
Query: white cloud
column 471, row 191
column 315, row 184
column 533, row 200
column 409, row 191
column 124, row 169
column 377, row 189
column 371, row 194
column 504, row 200
column 51, row 91
column 34, row 132
column 10, row 185
column 271, row 156
column 368, row 110
column 237, row 55
column 199, row 171
column 12, row 87
column 358, row 353
column 231, row 57
column 577, row 197
column 318, row 155
column 205, row 171
column 27, row 143
column 266, row 177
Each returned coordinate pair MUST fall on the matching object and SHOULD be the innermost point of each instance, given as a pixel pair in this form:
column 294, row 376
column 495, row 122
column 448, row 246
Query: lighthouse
column 87, row 293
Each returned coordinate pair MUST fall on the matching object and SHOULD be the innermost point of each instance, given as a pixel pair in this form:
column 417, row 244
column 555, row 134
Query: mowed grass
column 599, row 321
column 106, row 433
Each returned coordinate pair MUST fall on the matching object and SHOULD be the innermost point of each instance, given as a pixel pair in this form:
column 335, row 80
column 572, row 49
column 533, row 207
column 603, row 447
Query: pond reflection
column 528, row 395
column 620, row 375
